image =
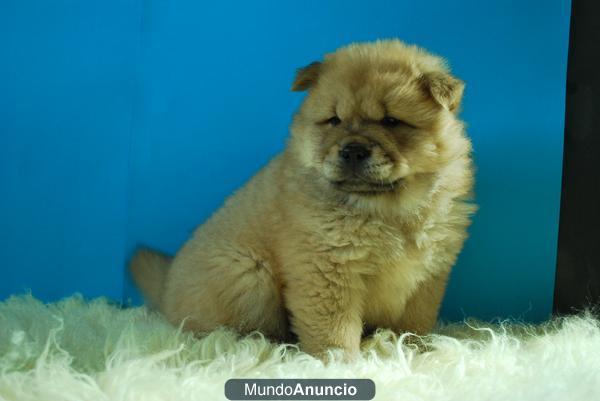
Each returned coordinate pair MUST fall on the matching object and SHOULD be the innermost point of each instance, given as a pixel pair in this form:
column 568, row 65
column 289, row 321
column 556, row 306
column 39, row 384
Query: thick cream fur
column 91, row 351
column 290, row 253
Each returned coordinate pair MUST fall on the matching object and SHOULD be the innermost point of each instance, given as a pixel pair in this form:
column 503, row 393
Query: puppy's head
column 377, row 117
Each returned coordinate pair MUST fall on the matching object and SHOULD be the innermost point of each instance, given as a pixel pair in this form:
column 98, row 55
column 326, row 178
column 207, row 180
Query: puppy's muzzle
column 354, row 155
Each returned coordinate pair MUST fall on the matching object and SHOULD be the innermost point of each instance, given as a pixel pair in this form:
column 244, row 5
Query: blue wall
column 128, row 122
column 66, row 91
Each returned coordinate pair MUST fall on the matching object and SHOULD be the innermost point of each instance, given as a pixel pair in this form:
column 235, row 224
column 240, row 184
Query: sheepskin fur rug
column 80, row 350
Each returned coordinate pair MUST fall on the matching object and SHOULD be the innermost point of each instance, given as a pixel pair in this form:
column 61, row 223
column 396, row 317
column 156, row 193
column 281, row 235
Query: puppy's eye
column 333, row 121
column 391, row 122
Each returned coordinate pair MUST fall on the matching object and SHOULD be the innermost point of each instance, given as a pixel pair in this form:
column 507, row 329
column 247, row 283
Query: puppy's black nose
column 354, row 153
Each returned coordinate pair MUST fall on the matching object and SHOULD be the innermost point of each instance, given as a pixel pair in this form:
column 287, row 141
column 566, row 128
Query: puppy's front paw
column 332, row 353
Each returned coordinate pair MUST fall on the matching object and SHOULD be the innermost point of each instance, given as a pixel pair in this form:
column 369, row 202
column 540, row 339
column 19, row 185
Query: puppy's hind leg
column 224, row 286
column 149, row 271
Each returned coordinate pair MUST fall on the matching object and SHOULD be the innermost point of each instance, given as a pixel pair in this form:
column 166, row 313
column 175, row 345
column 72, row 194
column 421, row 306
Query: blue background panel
column 159, row 110
column 66, row 86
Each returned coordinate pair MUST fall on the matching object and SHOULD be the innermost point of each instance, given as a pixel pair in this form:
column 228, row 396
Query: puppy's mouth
column 365, row 187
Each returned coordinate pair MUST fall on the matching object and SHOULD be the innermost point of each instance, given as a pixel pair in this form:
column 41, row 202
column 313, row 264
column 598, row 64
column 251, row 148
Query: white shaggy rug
column 77, row 350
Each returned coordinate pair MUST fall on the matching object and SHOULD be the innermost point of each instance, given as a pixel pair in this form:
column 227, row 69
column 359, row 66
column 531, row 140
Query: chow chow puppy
column 355, row 225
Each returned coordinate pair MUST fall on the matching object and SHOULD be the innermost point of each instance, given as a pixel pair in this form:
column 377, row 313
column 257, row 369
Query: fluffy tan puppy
column 355, row 225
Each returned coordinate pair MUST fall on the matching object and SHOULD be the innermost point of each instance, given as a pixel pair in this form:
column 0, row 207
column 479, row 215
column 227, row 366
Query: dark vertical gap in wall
column 578, row 263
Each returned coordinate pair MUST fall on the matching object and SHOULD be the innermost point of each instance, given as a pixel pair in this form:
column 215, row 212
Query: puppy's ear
column 306, row 76
column 444, row 89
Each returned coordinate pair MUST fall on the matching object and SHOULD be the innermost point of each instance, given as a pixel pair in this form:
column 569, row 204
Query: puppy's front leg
column 421, row 311
column 325, row 306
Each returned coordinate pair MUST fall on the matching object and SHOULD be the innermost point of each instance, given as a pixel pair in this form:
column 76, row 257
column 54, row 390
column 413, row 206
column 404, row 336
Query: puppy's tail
column 149, row 271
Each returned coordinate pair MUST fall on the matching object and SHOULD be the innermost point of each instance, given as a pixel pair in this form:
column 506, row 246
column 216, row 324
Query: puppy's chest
column 370, row 246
